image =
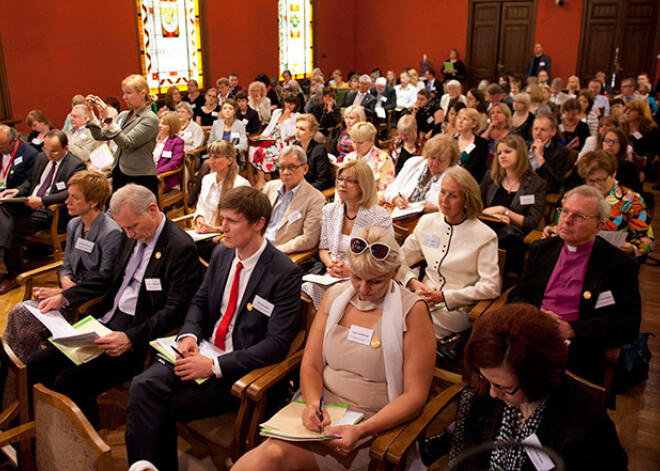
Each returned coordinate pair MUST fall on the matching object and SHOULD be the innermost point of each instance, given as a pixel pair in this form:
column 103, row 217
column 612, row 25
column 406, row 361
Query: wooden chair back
column 52, row 236
column 173, row 195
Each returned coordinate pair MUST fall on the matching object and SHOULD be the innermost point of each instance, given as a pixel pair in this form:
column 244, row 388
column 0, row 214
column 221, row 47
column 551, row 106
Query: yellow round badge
column 375, row 343
column 158, row 255
column 249, row 306
column 587, row 295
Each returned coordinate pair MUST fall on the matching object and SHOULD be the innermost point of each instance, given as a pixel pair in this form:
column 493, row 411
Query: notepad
column 410, row 210
column 196, row 237
column 325, row 279
column 165, row 347
column 102, row 156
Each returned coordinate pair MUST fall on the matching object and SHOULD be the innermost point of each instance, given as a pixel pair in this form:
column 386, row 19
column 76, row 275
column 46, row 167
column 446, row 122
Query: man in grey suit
column 47, row 186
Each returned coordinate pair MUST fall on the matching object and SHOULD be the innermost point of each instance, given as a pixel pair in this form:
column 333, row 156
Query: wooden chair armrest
column 446, row 375
column 552, row 198
column 277, row 372
column 329, row 193
column 477, row 311
column 18, row 434
column 196, row 152
column 379, row 447
column 240, row 387
column 86, row 307
column 494, row 304
column 407, row 437
column 163, row 176
column 301, row 257
column 55, row 207
column 23, row 277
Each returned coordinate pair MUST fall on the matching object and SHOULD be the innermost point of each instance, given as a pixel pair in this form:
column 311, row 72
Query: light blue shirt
column 279, row 210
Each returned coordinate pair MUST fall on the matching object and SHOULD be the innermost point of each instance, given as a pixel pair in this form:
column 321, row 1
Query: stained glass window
column 295, row 21
column 170, row 43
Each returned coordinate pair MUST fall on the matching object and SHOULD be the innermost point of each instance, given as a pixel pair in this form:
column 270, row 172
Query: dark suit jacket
column 389, row 93
column 609, row 269
column 436, row 88
column 318, row 174
column 557, row 161
column 476, row 165
column 21, row 165
column 258, row 339
column 174, row 262
column 529, row 68
column 58, row 191
column 368, row 102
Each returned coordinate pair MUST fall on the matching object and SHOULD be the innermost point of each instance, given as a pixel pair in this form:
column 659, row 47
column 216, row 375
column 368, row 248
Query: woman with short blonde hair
column 381, row 164
column 473, row 148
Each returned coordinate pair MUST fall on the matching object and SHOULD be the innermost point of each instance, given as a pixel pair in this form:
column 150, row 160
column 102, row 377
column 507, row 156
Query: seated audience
column 260, row 102
column 327, row 113
column 605, row 124
column 17, row 158
column 615, row 143
column 294, row 225
column 406, row 94
column 453, row 92
column 228, row 128
column 495, row 95
column 47, row 186
column 155, row 275
column 208, row 113
column 475, row 98
column 386, row 98
column 588, row 113
column 522, row 120
column 191, row 132
column 270, row 93
column 549, row 159
column 644, row 90
column 574, row 131
column 516, row 87
column 381, row 164
column 76, row 100
column 355, row 207
column 81, row 142
column 40, row 124
column 414, row 78
column 519, row 359
column 224, row 90
column 515, row 195
column 474, row 149
column 421, row 177
column 406, row 143
column 194, row 97
column 293, row 89
column 246, row 115
column 547, row 93
column 448, row 126
column 338, row 81
column 557, row 96
column 234, row 85
column 353, row 83
column 573, row 86
column 426, row 113
column 389, row 385
column 91, row 247
column 616, row 109
column 642, row 131
column 168, row 153
column 248, row 306
column 601, row 103
column 536, row 105
column 461, row 254
column 342, row 145
column 264, row 151
column 315, row 98
column 500, row 124
column 596, row 305
column 433, row 85
column 172, row 98
column 319, row 173
column 362, row 96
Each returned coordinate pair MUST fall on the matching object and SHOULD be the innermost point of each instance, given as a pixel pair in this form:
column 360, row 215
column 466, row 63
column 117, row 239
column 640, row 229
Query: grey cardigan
column 237, row 137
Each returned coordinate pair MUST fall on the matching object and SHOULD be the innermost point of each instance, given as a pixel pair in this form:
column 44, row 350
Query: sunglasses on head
column 378, row 250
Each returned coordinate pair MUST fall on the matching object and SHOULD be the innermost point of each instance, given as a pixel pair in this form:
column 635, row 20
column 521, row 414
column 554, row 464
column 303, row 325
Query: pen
column 321, row 414
column 177, row 352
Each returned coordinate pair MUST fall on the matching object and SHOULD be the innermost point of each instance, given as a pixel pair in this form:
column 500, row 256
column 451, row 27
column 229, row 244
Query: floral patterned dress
column 629, row 215
column 381, row 164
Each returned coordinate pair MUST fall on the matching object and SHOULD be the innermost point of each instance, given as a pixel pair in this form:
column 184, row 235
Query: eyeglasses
column 610, row 141
column 348, row 181
column 500, row 388
column 290, row 168
column 563, row 212
column 379, row 251
column 596, row 181
column 218, row 157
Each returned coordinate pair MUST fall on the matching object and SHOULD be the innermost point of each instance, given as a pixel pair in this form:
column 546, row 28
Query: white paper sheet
column 614, row 237
column 102, row 156
column 78, row 340
column 412, row 208
column 325, row 280
column 195, row 236
column 55, row 322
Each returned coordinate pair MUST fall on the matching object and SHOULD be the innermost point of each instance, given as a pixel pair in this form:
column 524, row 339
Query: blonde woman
column 343, row 144
column 258, row 101
column 381, row 164
column 473, row 148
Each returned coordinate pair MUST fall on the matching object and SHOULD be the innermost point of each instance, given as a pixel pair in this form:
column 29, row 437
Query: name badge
column 214, row 114
column 637, row 135
column 245, row 121
column 605, row 299
column 263, row 306
column 83, row 136
column 153, row 284
column 194, row 105
column 380, row 112
column 430, row 119
column 431, row 241
column 527, row 199
column 470, row 148
column 18, row 160
column 36, row 141
column 542, row 64
column 383, row 99
column 360, row 335
column 60, row 186
column 294, row 216
column 235, row 135
column 540, row 460
column 84, row 245
column 167, row 154
column 187, row 134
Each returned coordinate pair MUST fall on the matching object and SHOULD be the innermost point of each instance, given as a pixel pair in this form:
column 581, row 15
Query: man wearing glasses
column 295, row 225
column 587, row 285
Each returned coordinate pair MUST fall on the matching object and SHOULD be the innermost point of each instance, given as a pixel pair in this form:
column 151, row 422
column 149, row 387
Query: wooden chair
column 51, row 237
column 193, row 161
column 173, row 195
column 27, row 278
column 386, row 125
column 301, row 257
column 64, row 440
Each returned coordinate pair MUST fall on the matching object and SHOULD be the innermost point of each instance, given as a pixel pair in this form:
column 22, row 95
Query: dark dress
column 207, row 119
column 581, row 132
column 250, row 119
column 39, row 145
column 525, row 129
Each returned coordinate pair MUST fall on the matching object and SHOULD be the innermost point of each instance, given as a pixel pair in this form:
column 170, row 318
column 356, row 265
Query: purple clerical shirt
column 562, row 295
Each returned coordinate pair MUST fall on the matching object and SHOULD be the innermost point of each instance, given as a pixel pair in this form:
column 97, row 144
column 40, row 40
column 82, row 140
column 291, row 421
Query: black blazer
column 389, row 93
column 258, row 339
column 58, row 191
column 609, row 269
column 476, row 165
column 21, row 165
column 529, row 67
column 174, row 262
column 318, row 174
column 557, row 163
column 368, row 102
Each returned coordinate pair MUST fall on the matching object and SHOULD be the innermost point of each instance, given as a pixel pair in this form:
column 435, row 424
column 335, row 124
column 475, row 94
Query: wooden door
column 500, row 37
column 618, row 36
column 5, row 105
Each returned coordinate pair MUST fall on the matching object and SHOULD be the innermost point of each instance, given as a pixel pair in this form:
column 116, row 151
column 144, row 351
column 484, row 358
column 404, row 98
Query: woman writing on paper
column 371, row 346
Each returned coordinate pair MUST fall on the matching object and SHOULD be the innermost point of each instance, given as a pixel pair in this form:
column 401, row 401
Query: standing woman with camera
column 134, row 131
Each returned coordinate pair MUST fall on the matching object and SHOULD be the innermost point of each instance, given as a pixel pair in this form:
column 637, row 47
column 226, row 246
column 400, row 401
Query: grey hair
column 604, row 208
column 365, row 78
column 84, row 109
column 318, row 89
column 453, row 83
column 300, row 154
column 557, row 82
column 139, row 197
column 187, row 106
column 12, row 134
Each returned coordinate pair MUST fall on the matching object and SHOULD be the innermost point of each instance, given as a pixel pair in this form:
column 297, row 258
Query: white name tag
column 167, row 154
column 245, row 121
column 84, row 245
column 36, row 141
column 605, row 299
column 637, row 135
column 235, row 135
column 470, row 148
column 60, row 186
column 380, row 112
column 527, row 199
column 294, row 216
column 214, row 114
column 18, row 160
column 194, row 105
column 83, row 136
column 153, row 284
column 430, row 119
column 540, row 460
column 541, row 64
column 431, row 241
column 187, row 134
column 383, row 99
column 360, row 335
column 263, row 306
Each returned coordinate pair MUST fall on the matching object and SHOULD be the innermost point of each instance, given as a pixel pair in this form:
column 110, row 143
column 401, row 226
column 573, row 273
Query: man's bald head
column 8, row 136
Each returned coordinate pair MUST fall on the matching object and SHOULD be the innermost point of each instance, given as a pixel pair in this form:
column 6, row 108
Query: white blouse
column 209, row 196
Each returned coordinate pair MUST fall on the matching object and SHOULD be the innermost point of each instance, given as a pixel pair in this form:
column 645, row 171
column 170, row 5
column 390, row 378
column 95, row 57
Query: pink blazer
column 174, row 150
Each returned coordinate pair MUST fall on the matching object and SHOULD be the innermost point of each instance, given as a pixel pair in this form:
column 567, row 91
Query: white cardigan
column 287, row 128
column 407, row 179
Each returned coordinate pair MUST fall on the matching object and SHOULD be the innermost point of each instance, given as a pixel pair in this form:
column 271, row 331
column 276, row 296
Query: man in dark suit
column 549, row 159
column 385, row 95
column 536, row 62
column 146, row 297
column 587, row 285
column 362, row 97
column 16, row 158
column 248, row 307
column 433, row 85
column 46, row 186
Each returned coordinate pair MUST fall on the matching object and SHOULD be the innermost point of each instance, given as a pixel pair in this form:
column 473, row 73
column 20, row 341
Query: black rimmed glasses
column 563, row 212
column 378, row 250
column 507, row 391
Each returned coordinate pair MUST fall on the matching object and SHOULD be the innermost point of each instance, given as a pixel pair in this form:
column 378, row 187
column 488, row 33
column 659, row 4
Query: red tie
column 229, row 313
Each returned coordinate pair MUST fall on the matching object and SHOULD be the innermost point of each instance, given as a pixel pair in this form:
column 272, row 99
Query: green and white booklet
column 165, row 347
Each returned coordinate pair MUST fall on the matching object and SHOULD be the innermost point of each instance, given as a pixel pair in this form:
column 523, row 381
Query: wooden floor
column 637, row 414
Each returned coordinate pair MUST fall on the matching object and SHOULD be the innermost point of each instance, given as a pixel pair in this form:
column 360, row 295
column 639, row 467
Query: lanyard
column 4, row 171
